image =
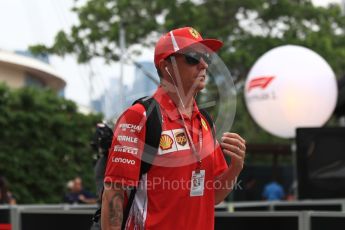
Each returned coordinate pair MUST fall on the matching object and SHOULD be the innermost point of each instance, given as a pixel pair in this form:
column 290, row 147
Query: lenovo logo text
column 123, row 160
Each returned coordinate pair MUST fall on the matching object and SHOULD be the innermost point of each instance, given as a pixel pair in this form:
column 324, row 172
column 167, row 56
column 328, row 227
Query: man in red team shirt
column 189, row 174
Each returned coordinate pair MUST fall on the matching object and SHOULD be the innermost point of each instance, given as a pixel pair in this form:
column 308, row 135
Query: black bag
column 102, row 138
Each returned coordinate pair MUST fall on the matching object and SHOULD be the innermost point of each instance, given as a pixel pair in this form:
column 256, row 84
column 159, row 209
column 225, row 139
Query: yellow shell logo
column 165, row 142
column 204, row 124
column 194, row 33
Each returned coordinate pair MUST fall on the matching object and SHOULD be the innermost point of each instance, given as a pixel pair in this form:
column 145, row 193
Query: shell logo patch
column 181, row 138
column 173, row 141
column 194, row 33
column 165, row 142
column 204, row 124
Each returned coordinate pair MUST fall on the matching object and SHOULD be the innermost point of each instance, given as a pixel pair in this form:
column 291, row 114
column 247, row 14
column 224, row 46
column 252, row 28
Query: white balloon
column 289, row 87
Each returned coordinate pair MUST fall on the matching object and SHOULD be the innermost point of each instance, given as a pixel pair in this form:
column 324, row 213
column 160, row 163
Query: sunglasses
column 194, row 58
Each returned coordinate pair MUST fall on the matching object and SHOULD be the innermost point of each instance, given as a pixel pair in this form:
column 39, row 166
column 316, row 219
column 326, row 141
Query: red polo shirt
column 163, row 199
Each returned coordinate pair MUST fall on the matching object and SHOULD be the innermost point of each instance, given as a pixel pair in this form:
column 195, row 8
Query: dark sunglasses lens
column 193, row 58
column 207, row 58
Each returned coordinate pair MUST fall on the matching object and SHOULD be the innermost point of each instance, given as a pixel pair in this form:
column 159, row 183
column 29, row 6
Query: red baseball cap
column 180, row 38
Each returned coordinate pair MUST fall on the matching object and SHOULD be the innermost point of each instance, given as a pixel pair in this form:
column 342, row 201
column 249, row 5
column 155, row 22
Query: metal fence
column 287, row 215
column 60, row 216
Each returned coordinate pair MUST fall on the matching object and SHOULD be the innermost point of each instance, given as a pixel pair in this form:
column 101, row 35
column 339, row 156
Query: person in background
column 273, row 191
column 78, row 194
column 6, row 196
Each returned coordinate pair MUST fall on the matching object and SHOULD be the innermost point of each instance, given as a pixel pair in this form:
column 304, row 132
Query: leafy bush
column 44, row 142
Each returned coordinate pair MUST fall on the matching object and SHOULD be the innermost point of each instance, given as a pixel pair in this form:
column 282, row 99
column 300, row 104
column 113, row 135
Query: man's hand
column 234, row 146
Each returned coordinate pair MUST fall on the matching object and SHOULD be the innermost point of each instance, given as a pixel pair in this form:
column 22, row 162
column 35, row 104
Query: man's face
column 188, row 69
column 78, row 185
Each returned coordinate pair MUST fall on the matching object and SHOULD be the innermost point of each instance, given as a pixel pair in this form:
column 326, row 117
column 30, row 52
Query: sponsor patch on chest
column 172, row 141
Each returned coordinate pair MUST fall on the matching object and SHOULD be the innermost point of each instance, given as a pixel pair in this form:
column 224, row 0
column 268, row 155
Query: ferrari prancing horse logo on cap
column 194, row 33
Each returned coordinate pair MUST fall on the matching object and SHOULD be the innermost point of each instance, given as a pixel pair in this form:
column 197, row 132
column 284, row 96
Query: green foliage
column 249, row 28
column 268, row 24
column 44, row 142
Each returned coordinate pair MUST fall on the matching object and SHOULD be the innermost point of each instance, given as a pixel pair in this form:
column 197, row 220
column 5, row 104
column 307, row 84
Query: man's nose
column 203, row 63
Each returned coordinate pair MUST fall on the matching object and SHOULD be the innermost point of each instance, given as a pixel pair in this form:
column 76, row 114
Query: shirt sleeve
column 219, row 162
column 124, row 158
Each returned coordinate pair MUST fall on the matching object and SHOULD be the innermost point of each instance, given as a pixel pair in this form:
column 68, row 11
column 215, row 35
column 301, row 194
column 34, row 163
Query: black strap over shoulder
column 153, row 132
column 152, row 138
column 210, row 122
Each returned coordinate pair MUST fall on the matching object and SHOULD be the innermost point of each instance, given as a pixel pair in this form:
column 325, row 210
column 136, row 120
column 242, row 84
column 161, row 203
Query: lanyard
column 191, row 143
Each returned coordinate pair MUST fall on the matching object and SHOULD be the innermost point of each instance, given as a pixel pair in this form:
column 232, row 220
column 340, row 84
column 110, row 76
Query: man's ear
column 162, row 65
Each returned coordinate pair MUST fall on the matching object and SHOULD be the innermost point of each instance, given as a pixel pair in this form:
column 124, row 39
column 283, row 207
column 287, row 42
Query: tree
column 248, row 28
column 44, row 142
